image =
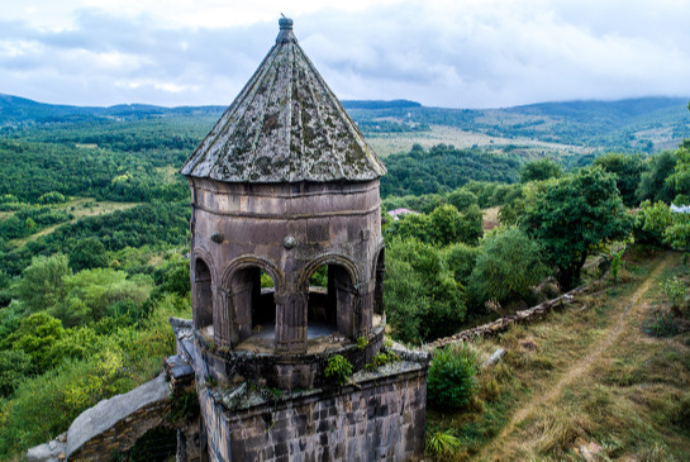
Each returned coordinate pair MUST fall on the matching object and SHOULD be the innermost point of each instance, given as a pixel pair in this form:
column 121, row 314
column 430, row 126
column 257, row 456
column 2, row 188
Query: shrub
column 451, row 380
column 441, row 443
column 508, row 266
column 338, row 369
column 676, row 291
column 651, row 222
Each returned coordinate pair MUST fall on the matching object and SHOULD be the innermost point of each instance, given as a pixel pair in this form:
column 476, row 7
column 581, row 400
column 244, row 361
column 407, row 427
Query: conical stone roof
column 286, row 125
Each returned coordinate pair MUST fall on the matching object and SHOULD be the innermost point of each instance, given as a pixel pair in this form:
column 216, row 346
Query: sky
column 460, row 54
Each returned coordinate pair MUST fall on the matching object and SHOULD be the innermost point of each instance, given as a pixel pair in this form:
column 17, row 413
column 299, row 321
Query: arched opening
column 202, row 300
column 378, row 286
column 331, row 300
column 253, row 303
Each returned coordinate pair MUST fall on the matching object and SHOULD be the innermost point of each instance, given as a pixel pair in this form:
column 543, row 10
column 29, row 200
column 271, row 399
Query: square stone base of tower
column 378, row 415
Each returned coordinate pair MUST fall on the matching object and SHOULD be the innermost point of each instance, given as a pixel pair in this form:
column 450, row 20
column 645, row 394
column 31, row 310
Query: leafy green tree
column 461, row 199
column 444, row 226
column 15, row 366
column 87, row 254
column 680, row 179
column 628, row 168
column 509, row 264
column 573, row 217
column 678, row 234
column 42, row 284
column 35, row 336
column 651, row 222
column 539, row 170
column 423, row 300
column 91, row 292
column 461, row 260
column 653, row 185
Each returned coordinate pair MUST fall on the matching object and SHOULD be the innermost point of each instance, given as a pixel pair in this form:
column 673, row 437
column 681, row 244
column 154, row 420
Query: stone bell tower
column 287, row 257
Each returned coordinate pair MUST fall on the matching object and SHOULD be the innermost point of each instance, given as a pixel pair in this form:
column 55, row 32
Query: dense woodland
column 84, row 300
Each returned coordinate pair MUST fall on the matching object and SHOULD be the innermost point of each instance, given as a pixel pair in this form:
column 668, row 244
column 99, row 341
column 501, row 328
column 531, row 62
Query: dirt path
column 581, row 368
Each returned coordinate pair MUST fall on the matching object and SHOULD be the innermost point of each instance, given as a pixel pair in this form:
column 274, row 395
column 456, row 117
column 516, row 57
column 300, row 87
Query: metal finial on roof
column 285, row 34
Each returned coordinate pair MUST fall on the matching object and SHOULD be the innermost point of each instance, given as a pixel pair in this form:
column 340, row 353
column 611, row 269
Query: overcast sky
column 462, row 53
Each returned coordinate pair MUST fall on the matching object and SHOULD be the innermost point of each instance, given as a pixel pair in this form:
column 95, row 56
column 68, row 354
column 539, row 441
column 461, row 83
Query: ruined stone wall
column 381, row 416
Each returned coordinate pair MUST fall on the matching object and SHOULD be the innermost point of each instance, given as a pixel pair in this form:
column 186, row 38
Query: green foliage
column 362, row 343
column 651, row 222
column 678, row 234
column 461, row 199
column 616, row 264
column 15, row 366
column 184, row 406
column 628, row 169
column 35, row 336
column 444, row 168
column 422, row 299
column 461, row 259
column 540, row 170
column 338, row 370
column 87, row 254
column 381, row 359
column 573, row 217
column 444, row 226
column 680, row 179
column 51, row 197
column 451, row 380
column 509, row 264
column 676, row 291
column 442, row 443
column 653, row 185
column 147, row 225
column 30, row 220
column 91, row 292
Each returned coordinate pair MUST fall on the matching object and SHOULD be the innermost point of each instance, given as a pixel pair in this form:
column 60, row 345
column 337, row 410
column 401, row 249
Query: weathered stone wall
column 239, row 226
column 380, row 416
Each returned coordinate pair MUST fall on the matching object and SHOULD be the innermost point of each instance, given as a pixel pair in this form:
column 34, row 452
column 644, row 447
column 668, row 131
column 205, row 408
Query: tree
column 680, row 179
column 461, row 199
column 628, row 168
column 653, row 185
column 35, row 337
column 509, row 264
column 651, row 222
column 87, row 254
column 540, row 170
column 573, row 217
column 444, row 226
column 42, row 285
column 422, row 298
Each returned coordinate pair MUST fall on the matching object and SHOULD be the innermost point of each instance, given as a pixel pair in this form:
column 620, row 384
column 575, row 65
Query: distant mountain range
column 641, row 124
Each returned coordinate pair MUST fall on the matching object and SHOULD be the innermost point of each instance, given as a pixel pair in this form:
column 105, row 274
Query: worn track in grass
column 621, row 326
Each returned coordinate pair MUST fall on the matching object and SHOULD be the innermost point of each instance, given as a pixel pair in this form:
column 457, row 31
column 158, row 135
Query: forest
column 85, row 296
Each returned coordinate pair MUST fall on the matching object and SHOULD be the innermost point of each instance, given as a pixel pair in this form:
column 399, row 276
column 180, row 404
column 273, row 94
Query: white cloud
column 471, row 53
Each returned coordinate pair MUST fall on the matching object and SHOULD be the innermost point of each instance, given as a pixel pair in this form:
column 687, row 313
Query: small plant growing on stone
column 183, row 406
column 362, row 343
column 441, row 443
column 451, row 380
column 381, row 359
column 338, row 369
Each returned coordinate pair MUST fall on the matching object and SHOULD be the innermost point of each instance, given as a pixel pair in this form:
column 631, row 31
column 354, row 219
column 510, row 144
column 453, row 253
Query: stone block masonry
column 378, row 416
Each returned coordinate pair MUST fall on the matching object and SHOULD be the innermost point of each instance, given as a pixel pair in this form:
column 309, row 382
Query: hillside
column 632, row 125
